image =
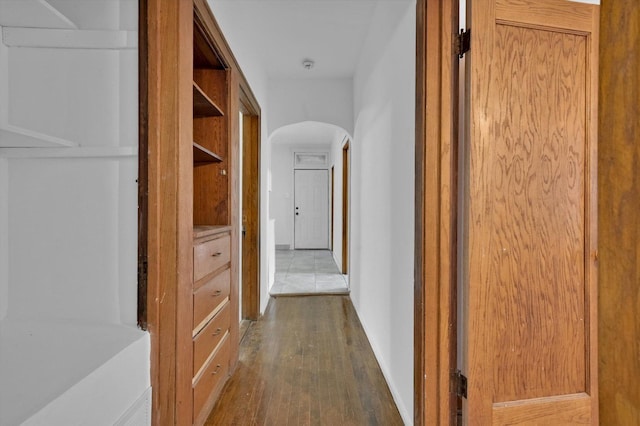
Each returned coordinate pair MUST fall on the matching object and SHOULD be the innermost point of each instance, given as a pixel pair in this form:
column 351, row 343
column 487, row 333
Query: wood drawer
column 212, row 377
column 207, row 340
column 210, row 255
column 208, row 297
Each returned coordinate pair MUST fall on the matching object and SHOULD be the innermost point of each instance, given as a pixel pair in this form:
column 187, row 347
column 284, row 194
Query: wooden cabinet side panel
column 170, row 201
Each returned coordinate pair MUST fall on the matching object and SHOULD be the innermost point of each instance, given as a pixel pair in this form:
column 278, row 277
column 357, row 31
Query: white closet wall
column 70, row 351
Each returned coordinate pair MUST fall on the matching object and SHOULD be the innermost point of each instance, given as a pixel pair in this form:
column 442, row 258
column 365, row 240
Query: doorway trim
column 143, row 163
column 435, row 271
column 346, row 160
column 332, row 192
column 250, row 235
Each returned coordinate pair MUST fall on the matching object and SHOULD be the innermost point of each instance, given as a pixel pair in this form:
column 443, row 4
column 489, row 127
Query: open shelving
column 202, row 156
column 203, row 106
column 211, row 136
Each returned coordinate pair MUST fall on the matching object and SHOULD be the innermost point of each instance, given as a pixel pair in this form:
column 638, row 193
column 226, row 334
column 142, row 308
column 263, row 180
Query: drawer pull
column 213, row 373
column 216, row 254
column 217, row 293
column 217, row 332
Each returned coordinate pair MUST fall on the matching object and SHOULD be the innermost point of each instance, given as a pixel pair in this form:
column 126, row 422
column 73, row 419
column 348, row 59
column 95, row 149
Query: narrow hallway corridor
column 306, row 362
column 307, row 272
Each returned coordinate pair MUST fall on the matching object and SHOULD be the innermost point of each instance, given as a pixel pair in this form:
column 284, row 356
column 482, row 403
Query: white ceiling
column 308, row 133
column 286, row 32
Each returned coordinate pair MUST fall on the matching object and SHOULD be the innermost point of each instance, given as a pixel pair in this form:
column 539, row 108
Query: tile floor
column 307, row 272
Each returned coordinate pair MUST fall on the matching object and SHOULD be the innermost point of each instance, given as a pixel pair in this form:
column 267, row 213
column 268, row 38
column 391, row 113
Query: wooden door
column 311, row 215
column 530, row 268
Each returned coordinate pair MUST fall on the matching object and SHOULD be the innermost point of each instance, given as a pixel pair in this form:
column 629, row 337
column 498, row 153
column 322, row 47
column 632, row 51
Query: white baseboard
column 139, row 414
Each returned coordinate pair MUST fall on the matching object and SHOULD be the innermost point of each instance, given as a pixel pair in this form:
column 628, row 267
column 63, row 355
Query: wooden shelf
column 17, row 137
column 200, row 231
column 202, row 156
column 70, row 39
column 203, row 106
column 204, row 55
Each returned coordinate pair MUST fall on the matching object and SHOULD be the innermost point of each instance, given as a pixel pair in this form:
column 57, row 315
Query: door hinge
column 460, row 384
column 463, row 43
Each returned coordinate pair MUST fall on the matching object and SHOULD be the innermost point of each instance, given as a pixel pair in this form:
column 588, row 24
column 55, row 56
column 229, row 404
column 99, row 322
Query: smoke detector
column 307, row 64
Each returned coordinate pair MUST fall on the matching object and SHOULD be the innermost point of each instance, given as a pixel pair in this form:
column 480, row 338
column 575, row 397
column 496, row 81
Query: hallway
column 307, row 272
column 306, row 362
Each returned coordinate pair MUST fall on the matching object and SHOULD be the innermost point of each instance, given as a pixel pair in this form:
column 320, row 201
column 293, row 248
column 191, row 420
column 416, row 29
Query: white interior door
column 311, row 209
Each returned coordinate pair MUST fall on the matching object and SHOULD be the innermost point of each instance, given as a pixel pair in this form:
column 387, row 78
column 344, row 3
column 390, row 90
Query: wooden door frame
column 435, row 272
column 619, row 160
column 167, row 28
column 332, row 206
column 251, row 152
column 346, row 156
column 143, row 173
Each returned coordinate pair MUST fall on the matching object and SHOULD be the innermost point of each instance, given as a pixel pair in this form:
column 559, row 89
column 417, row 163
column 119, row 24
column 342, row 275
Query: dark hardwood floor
column 306, row 362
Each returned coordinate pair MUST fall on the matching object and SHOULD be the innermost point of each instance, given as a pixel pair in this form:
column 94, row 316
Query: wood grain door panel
column 530, row 349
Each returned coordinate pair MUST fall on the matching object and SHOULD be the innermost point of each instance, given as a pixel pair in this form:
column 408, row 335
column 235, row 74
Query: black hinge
column 463, row 43
column 460, row 383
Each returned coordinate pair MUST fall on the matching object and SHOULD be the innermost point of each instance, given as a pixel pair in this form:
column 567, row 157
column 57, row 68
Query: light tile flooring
column 307, row 272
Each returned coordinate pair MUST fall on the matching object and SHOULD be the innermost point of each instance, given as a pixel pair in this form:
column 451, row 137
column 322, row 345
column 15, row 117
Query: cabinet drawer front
column 206, row 341
column 213, row 376
column 210, row 255
column 208, row 297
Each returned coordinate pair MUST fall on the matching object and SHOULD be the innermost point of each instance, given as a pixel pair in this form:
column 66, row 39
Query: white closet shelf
column 32, row 13
column 70, row 39
column 71, row 152
column 17, row 137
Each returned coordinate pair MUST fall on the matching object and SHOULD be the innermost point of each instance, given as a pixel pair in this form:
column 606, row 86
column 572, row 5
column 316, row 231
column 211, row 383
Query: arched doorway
column 307, row 172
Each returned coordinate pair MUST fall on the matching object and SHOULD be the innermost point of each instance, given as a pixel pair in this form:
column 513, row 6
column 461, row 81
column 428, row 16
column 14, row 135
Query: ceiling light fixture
column 307, row 64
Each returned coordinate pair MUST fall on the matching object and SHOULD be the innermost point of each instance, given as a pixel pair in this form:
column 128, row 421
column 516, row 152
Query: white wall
column 4, row 195
column 72, row 95
column 4, row 237
column 68, row 246
column 282, row 193
column 73, row 213
column 68, row 214
column 324, row 100
column 382, row 218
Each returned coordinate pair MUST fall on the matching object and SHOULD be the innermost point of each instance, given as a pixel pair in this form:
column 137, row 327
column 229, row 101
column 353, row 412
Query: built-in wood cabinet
column 193, row 89
column 211, row 315
column 213, row 228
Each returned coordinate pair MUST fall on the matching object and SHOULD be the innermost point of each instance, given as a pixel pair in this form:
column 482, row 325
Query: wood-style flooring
column 306, row 362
